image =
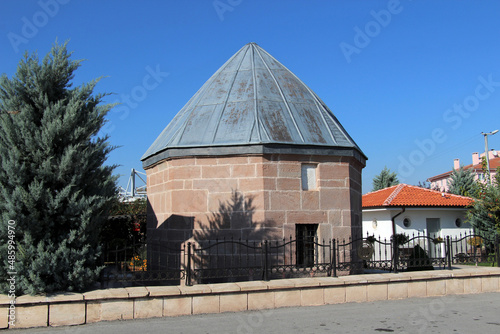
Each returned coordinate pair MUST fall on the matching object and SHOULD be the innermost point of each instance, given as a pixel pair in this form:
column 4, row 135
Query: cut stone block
column 233, row 302
column 311, row 297
column 455, row 286
column 473, row 285
column 106, row 294
column 436, row 288
column 376, row 292
column 148, row 308
column 287, row 298
column 261, row 300
column 65, row 297
column 489, row 284
column 117, row 309
column 31, row 316
column 176, row 306
column 195, row 289
column 306, row 282
column 206, row 304
column 93, row 311
column 224, row 287
column 252, row 286
column 137, row 292
column 281, row 284
column 355, row 293
column 397, row 290
column 335, row 295
column 417, row 289
column 4, row 317
column 31, row 300
column 163, row 291
column 67, row 314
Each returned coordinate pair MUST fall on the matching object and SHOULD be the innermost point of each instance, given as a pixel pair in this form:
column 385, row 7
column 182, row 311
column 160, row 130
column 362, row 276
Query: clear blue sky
column 413, row 82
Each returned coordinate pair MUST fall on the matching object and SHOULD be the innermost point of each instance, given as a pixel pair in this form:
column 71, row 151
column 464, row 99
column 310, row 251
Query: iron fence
column 244, row 260
column 239, row 260
column 143, row 264
column 474, row 249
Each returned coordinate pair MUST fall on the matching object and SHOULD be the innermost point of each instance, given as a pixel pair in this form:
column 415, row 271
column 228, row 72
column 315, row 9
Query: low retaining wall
column 148, row 302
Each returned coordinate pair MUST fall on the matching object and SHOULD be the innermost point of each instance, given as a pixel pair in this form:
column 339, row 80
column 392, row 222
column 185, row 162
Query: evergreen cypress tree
column 53, row 183
column 385, row 179
column 462, row 183
column 484, row 215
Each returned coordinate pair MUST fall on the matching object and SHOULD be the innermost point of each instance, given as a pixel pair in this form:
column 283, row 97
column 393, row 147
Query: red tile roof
column 494, row 164
column 404, row 195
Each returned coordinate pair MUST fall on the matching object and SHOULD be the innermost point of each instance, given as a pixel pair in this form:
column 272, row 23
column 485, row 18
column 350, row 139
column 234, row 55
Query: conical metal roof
column 250, row 102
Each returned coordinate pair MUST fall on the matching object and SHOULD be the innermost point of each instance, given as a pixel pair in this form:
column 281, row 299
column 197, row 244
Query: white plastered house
column 415, row 211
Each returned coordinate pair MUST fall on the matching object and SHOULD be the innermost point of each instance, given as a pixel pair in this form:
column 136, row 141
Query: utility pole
column 486, row 153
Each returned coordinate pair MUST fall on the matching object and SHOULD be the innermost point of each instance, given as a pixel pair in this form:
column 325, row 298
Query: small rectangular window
column 308, row 177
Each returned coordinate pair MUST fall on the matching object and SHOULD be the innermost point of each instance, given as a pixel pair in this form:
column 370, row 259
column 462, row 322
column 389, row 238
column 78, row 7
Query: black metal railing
column 300, row 257
column 143, row 264
column 239, row 260
column 416, row 252
column 211, row 261
column 248, row 260
column 474, row 249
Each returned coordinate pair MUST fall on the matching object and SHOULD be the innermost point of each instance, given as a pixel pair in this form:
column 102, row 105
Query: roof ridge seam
column 227, row 96
column 203, row 90
column 283, row 97
column 317, row 101
column 394, row 194
column 255, row 101
column 376, row 191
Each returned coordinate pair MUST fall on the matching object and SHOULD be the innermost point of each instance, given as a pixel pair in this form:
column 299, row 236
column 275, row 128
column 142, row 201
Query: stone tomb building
column 254, row 154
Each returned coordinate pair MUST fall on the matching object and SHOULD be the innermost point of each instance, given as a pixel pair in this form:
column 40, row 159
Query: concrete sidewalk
column 476, row 313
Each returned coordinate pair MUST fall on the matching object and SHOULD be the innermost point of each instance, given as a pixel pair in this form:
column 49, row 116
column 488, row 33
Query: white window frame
column 309, row 177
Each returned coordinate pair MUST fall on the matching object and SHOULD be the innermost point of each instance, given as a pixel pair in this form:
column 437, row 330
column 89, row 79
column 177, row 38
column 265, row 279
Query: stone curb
column 157, row 301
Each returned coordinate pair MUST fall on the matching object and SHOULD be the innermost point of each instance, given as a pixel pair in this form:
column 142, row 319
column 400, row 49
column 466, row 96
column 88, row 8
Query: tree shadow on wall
column 233, row 219
column 229, row 245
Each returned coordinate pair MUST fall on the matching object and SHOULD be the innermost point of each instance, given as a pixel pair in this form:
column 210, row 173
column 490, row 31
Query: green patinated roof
column 251, row 100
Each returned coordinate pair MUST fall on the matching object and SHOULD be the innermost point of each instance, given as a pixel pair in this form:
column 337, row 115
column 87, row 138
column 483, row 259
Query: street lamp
column 486, row 153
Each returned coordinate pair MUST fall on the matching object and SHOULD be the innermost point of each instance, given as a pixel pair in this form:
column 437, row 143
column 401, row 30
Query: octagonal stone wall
column 252, row 197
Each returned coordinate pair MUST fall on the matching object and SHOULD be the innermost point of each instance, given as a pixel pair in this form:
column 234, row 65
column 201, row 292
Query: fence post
column 188, row 265
column 334, row 258
column 395, row 254
column 329, row 274
column 497, row 249
column 116, row 259
column 124, row 263
column 266, row 278
column 448, row 251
